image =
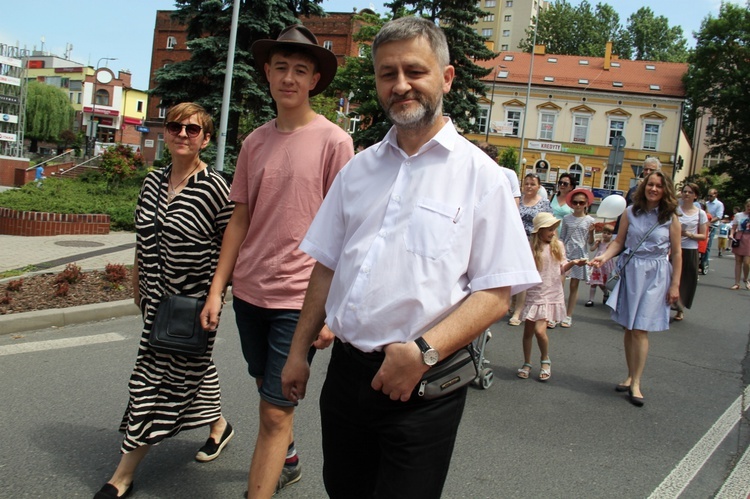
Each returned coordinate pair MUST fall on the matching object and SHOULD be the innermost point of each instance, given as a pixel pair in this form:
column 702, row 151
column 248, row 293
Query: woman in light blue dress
column 649, row 283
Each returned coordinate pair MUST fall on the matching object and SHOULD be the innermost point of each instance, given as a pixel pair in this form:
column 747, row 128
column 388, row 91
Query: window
column 506, row 18
column 610, row 181
column 711, row 160
column 78, row 100
column 490, row 3
column 159, row 144
column 171, row 42
column 509, row 3
column 139, row 106
column 489, row 18
column 651, row 136
column 76, row 85
column 576, row 171
column 546, row 126
column 102, row 97
column 514, row 119
column 484, row 112
column 361, row 52
column 328, row 45
column 71, row 96
column 580, row 129
column 487, row 32
column 162, row 112
column 616, row 128
column 504, row 47
column 506, row 33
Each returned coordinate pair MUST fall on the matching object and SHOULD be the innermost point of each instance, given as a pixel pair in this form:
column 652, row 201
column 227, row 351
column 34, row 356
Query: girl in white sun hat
column 545, row 301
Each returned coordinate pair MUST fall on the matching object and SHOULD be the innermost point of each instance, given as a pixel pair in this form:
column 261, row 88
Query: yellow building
column 575, row 108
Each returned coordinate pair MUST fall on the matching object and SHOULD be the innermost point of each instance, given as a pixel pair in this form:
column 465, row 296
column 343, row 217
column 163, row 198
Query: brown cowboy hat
column 299, row 36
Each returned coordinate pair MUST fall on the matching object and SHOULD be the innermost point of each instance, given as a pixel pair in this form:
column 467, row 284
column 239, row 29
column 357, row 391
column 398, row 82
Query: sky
column 125, row 30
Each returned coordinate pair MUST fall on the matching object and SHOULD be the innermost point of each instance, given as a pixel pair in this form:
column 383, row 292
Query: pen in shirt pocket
column 457, row 216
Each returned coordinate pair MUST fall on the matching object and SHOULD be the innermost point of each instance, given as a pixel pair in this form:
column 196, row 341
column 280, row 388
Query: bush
column 71, row 275
column 62, row 289
column 80, row 196
column 14, row 285
column 115, row 272
column 5, row 300
column 119, row 163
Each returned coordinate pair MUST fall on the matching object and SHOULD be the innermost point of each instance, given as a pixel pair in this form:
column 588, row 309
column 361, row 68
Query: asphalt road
column 63, row 392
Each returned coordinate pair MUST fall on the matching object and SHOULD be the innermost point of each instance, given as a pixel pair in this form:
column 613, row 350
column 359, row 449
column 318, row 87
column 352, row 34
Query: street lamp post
column 492, row 104
column 528, row 87
column 495, row 70
column 91, row 136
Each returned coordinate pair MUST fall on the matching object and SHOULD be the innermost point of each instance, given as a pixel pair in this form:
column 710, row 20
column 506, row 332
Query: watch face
column 430, row 357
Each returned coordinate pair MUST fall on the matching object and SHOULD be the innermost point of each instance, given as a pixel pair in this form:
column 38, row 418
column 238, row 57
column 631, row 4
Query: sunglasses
column 192, row 130
column 578, row 203
column 563, row 183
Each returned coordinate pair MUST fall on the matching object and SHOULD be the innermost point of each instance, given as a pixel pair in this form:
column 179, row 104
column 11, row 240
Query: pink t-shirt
column 283, row 178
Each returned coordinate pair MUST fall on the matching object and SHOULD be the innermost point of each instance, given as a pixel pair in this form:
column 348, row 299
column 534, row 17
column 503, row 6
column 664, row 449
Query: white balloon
column 611, row 207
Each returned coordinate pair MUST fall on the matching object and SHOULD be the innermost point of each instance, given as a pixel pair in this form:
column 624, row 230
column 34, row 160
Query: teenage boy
column 284, row 171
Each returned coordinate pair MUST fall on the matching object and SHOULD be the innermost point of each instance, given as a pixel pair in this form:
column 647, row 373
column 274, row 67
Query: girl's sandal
column 545, row 374
column 523, row 373
column 735, row 287
column 679, row 316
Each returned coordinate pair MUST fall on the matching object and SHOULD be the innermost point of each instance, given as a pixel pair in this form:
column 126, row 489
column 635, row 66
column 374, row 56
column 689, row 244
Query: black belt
column 372, row 359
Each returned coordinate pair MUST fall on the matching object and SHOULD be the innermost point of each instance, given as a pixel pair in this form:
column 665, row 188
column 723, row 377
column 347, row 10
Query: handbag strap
column 640, row 242
column 157, row 226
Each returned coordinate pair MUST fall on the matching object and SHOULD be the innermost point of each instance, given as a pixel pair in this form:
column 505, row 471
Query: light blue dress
column 640, row 300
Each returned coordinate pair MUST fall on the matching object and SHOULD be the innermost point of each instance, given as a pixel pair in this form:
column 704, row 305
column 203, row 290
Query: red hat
column 586, row 192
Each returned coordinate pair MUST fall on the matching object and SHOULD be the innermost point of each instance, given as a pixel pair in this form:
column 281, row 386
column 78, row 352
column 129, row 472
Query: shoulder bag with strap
column 614, row 279
column 176, row 329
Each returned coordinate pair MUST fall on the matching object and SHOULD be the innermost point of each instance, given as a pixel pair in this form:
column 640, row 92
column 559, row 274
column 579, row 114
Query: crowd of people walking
column 399, row 257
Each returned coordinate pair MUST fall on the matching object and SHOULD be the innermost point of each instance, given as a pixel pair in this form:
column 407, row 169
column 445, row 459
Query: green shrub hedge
column 86, row 194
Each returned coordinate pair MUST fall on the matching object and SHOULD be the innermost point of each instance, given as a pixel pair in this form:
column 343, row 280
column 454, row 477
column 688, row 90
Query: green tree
column 201, row 78
column 653, row 39
column 509, row 158
column 48, row 113
column 718, row 80
column 565, row 29
column 356, row 79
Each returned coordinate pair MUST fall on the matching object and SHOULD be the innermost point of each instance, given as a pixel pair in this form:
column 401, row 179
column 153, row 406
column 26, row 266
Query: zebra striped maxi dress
column 169, row 393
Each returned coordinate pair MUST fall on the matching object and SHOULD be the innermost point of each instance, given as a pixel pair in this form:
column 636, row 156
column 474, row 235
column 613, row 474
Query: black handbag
column 176, row 329
column 448, row 375
column 736, row 241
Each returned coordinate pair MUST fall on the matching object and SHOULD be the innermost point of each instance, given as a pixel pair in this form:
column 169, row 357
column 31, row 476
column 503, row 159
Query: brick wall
column 35, row 223
column 8, row 167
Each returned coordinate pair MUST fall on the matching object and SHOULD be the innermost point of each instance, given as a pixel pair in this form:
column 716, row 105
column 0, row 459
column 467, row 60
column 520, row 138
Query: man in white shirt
column 715, row 212
column 418, row 240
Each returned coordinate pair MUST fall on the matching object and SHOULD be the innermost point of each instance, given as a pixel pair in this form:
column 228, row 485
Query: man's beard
column 423, row 116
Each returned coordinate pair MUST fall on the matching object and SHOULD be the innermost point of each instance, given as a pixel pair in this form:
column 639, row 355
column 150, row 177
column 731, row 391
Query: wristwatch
column 429, row 355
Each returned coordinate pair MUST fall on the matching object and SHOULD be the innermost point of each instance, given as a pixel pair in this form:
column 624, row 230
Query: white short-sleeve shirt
column 410, row 237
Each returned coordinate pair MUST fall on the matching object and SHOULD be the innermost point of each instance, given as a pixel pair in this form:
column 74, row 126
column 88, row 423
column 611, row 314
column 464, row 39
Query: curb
column 58, row 317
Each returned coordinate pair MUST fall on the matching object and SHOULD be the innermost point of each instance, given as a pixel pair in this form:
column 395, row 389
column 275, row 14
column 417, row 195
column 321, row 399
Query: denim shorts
column 266, row 336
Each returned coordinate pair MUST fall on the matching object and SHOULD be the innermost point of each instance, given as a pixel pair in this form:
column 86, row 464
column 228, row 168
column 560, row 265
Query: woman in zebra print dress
column 189, row 205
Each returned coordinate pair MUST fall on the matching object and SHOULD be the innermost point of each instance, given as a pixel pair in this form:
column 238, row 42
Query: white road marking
column 738, row 483
column 39, row 346
column 676, row 482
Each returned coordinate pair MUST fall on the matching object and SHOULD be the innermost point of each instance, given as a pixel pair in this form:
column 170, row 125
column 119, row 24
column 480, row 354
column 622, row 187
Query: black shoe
column 589, row 304
column 636, row 401
column 606, row 297
column 211, row 449
column 109, row 491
